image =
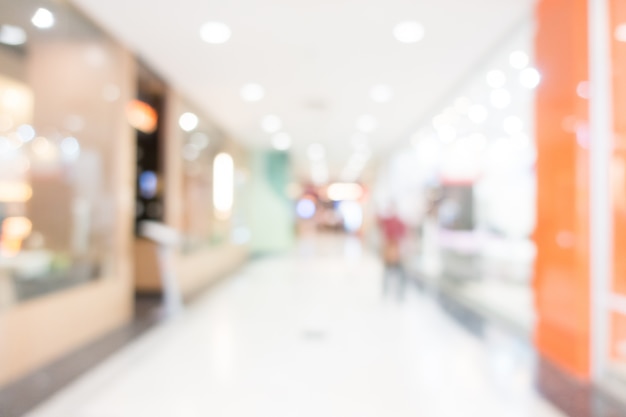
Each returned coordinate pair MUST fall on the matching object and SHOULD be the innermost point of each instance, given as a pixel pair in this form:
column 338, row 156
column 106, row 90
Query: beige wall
column 199, row 268
column 146, row 268
column 33, row 334
column 37, row 332
column 194, row 271
column 12, row 65
column 173, row 160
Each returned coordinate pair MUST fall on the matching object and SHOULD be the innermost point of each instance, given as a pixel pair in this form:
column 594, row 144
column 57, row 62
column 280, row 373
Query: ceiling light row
column 188, row 121
column 215, row 32
column 43, row 18
column 405, row 32
column 15, row 35
column 444, row 124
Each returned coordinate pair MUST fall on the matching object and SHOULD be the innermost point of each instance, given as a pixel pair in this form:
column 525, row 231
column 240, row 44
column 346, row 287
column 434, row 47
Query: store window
column 61, row 88
column 145, row 115
column 200, row 144
column 468, row 186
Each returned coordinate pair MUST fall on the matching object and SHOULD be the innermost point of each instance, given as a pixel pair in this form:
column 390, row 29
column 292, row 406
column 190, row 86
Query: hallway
column 309, row 333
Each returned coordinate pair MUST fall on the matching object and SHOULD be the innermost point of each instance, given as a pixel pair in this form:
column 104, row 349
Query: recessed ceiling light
column 252, row 92
column 12, row 35
column 519, row 59
column 26, row 133
column 366, row 123
column 513, row 125
column 477, row 114
column 188, row 121
column 408, row 32
column 530, row 78
column 496, row 79
column 381, row 93
column 620, row 33
column 43, row 18
column 281, row 141
column 271, row 123
column 70, row 146
column 500, row 98
column 215, row 32
column 316, row 151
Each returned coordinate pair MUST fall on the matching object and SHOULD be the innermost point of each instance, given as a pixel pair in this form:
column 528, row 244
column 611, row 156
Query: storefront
column 65, row 184
column 199, row 180
column 520, row 182
column 467, row 187
column 92, row 144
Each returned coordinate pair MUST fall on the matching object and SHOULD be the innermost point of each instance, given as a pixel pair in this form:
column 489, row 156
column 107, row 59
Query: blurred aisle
column 310, row 333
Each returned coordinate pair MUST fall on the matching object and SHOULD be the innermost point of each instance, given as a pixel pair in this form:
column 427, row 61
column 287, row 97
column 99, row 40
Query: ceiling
column 316, row 59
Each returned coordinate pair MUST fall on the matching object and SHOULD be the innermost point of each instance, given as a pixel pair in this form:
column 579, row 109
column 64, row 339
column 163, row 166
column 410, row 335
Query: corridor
column 310, row 333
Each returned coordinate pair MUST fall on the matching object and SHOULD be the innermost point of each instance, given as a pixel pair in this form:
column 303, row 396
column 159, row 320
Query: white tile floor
column 309, row 334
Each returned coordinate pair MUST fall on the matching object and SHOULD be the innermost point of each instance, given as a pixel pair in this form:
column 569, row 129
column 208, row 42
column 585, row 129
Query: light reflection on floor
column 310, row 333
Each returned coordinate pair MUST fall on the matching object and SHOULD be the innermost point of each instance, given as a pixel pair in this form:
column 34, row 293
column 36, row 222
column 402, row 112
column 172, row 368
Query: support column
column 617, row 36
column 562, row 279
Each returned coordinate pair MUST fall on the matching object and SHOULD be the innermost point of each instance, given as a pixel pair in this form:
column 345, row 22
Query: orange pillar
column 562, row 283
column 618, row 17
column 617, row 10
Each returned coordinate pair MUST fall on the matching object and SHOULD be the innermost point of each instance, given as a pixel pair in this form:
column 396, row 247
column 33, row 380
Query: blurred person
column 393, row 232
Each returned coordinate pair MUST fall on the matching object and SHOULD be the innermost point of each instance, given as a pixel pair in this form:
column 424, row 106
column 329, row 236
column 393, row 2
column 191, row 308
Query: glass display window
column 62, row 83
column 200, row 144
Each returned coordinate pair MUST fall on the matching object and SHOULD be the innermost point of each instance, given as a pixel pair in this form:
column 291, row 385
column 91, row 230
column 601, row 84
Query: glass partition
column 616, row 316
column 200, row 144
column 60, row 91
column 145, row 115
column 468, row 187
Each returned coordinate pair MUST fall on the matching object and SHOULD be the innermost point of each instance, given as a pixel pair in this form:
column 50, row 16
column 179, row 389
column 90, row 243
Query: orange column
column 618, row 48
column 562, row 283
column 618, row 16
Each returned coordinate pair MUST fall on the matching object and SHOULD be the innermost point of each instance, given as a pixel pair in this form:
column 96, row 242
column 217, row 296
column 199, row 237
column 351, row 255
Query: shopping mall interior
column 312, row 208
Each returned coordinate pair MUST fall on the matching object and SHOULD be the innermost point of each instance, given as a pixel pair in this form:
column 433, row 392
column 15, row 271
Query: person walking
column 393, row 232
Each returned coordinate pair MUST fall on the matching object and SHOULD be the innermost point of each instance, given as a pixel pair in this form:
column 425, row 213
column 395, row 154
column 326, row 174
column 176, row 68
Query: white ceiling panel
column 316, row 59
